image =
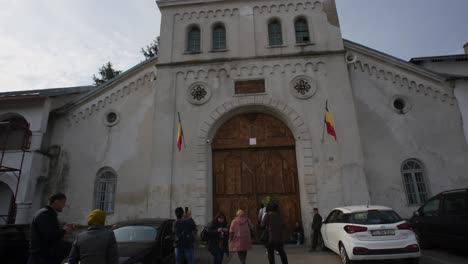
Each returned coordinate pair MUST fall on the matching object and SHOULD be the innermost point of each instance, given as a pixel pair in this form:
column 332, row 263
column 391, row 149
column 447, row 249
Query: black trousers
column 56, row 255
column 272, row 246
column 315, row 236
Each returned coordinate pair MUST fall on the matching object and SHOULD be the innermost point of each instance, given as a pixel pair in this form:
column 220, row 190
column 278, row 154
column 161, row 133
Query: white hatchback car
column 369, row 233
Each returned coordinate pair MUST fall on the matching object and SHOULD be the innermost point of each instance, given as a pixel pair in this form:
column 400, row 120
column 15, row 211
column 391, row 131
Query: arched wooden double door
column 254, row 156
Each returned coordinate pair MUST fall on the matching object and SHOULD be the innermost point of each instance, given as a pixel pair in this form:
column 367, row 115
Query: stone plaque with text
column 250, row 87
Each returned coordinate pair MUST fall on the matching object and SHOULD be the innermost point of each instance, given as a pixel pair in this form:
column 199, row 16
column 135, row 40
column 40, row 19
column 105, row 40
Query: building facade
column 250, row 81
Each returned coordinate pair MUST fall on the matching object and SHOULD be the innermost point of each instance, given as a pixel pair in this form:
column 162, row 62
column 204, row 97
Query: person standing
column 274, row 222
column 261, row 213
column 96, row 245
column 184, row 228
column 46, row 245
column 316, row 225
column 240, row 233
column 218, row 235
column 298, row 234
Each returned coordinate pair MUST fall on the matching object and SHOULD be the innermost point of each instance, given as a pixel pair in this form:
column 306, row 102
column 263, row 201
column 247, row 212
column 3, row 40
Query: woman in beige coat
column 240, row 235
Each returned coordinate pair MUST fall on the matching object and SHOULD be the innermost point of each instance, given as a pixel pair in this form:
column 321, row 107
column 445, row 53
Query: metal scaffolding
column 7, row 129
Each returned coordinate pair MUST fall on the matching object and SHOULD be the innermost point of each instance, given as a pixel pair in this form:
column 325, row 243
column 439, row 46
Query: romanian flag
column 180, row 135
column 329, row 123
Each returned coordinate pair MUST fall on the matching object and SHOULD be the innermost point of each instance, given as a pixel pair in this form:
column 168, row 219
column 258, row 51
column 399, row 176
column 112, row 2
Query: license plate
column 386, row 232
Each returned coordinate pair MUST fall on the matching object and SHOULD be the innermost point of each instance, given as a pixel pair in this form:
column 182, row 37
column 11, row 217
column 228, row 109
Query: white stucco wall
column 87, row 145
column 430, row 130
column 461, row 93
column 246, row 28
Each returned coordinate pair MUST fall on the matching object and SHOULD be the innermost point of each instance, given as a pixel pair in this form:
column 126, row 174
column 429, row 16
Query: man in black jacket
column 316, row 225
column 46, row 245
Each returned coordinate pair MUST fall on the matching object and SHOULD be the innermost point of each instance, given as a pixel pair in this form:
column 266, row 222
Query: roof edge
column 103, row 87
column 440, row 58
column 397, row 62
column 50, row 92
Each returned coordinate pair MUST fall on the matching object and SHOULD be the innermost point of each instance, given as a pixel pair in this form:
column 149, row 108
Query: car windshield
column 375, row 217
column 135, row 233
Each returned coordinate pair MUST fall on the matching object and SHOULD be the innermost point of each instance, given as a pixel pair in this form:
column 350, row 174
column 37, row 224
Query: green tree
column 151, row 50
column 106, row 72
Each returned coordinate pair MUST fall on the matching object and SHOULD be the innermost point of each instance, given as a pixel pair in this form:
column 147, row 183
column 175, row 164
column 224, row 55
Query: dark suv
column 443, row 220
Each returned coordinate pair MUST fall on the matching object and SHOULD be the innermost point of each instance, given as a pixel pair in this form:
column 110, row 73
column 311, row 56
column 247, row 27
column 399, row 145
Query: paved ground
column 300, row 255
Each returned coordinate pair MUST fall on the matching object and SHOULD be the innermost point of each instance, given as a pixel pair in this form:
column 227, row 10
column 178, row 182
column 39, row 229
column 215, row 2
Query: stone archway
column 253, row 157
column 261, row 103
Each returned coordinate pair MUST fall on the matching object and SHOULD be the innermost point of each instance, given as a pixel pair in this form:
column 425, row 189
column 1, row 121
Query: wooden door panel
column 267, row 130
column 229, row 205
column 243, row 175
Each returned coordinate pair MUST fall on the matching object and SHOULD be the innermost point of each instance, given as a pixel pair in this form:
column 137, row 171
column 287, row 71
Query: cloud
column 56, row 43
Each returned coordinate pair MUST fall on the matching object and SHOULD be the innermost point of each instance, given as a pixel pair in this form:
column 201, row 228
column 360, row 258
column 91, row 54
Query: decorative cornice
column 206, row 14
column 308, row 55
column 259, row 9
column 287, row 7
column 110, row 96
column 437, row 91
column 252, row 69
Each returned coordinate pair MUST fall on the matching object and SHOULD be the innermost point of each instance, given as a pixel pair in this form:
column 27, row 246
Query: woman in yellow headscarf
column 96, row 245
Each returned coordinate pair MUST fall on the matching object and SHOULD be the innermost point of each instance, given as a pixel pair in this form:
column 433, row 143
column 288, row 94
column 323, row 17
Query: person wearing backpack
column 217, row 235
column 184, row 228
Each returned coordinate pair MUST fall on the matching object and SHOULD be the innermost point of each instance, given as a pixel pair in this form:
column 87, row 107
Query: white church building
column 250, row 81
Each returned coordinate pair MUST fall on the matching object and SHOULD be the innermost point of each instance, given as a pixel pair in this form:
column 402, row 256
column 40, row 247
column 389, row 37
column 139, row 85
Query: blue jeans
column 218, row 254
column 182, row 253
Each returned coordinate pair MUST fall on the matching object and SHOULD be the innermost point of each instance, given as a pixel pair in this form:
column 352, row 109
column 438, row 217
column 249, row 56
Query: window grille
column 105, row 190
column 194, row 38
column 275, row 34
column 219, row 37
column 302, row 31
column 413, row 178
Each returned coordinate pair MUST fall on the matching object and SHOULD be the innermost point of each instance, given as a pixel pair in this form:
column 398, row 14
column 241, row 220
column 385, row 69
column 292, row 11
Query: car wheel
column 344, row 256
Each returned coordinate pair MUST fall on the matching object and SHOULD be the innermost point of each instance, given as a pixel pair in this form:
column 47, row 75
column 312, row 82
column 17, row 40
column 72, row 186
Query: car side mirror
column 417, row 213
column 168, row 237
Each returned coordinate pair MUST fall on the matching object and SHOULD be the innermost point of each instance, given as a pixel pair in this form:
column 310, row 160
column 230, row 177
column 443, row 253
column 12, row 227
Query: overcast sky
column 60, row 43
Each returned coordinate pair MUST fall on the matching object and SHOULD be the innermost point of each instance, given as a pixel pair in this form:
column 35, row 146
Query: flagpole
column 181, row 130
column 324, row 121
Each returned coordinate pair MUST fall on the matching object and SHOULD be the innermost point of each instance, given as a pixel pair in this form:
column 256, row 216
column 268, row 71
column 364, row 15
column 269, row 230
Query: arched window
column 194, row 39
column 413, row 178
column 219, row 37
column 14, row 132
column 302, row 31
column 105, row 190
column 275, row 34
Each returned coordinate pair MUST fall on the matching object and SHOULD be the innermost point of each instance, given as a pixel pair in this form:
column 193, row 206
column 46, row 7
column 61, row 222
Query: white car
column 369, row 233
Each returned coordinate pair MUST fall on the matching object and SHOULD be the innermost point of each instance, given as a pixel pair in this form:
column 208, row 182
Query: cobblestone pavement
column 300, row 255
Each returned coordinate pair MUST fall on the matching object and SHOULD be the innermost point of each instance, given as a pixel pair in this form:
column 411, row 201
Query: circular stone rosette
column 303, row 87
column 198, row 93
